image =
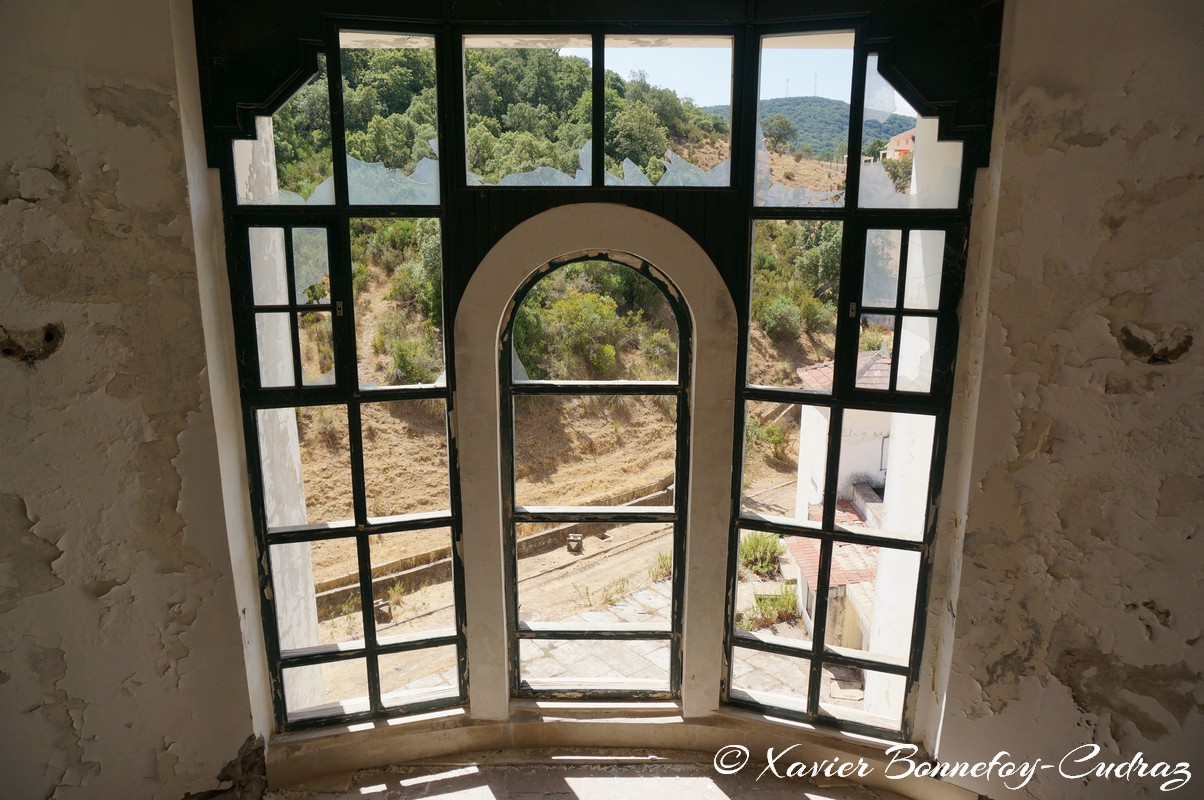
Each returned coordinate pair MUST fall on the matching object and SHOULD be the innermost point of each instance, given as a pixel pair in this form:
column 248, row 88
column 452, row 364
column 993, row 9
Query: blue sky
column 704, row 74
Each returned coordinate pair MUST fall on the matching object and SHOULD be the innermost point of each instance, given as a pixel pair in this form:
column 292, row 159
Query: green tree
column 638, row 134
column 873, row 147
column 779, row 130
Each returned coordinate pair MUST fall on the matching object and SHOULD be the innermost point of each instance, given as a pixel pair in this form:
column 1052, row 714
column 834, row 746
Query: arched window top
column 596, row 317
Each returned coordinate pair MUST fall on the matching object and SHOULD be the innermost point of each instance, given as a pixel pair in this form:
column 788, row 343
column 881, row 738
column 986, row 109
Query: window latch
column 852, row 310
column 338, row 308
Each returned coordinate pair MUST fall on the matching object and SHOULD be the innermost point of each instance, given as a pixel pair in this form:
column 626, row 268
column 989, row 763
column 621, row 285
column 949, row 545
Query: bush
column 781, row 319
column 872, row 339
column 662, row 570
column 818, row 316
column 899, row 170
column 660, row 349
column 412, row 361
column 759, row 553
column 769, row 610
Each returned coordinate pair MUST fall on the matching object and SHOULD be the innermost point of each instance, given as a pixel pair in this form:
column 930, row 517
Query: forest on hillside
column 819, row 126
column 526, row 108
column 529, row 108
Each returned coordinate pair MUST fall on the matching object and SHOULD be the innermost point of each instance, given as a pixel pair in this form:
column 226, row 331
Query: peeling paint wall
column 121, row 668
column 1079, row 614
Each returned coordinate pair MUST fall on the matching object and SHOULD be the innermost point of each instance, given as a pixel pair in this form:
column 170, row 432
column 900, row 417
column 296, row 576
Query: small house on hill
column 901, row 145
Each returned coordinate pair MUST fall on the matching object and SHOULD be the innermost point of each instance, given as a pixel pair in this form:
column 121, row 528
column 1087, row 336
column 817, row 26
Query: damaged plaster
column 118, row 630
column 1079, row 616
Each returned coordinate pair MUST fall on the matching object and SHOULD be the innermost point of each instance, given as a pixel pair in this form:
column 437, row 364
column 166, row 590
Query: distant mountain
column 822, row 123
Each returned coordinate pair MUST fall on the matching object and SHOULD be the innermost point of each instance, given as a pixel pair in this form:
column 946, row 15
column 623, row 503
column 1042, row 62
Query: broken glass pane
column 391, row 118
column 668, row 110
column 802, row 135
column 910, row 168
column 528, row 110
column 289, row 162
column 917, row 346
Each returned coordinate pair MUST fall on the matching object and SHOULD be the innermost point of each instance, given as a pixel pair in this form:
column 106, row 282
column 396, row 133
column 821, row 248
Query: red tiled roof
column 851, row 563
column 873, row 372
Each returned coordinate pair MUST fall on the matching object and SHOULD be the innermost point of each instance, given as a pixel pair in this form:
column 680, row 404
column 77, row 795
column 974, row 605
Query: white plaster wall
column 553, row 234
column 1079, row 617
column 121, row 666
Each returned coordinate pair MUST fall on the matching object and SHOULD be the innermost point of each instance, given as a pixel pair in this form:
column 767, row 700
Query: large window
column 339, row 263
column 596, row 384
column 849, row 351
column 363, row 194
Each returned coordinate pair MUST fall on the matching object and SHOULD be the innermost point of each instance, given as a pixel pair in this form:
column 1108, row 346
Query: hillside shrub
column 781, row 319
column 759, row 553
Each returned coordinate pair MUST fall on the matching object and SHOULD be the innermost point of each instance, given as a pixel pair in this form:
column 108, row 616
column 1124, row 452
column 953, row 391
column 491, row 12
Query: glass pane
column 391, row 118
column 795, row 277
column 311, row 265
column 274, row 336
column 803, row 137
column 268, row 271
column 862, row 695
column 325, row 690
column 771, row 596
column 405, row 457
column 595, row 450
column 412, row 583
column 306, row 467
column 317, row 348
column 595, row 320
column 871, row 601
column 289, row 162
column 397, row 281
column 885, row 460
column 880, row 285
column 668, row 110
column 770, row 679
column 595, row 574
column 785, row 457
column 528, row 113
column 418, row 675
column 904, row 165
column 925, row 260
column 875, row 345
column 594, row 664
column 317, row 590
column 917, row 342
